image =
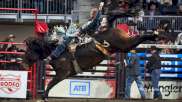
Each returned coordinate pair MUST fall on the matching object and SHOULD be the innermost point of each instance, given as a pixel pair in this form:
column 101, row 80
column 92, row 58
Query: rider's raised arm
column 91, row 25
column 94, row 22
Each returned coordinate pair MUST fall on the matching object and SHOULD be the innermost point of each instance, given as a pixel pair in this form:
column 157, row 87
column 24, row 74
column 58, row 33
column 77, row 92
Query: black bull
column 87, row 55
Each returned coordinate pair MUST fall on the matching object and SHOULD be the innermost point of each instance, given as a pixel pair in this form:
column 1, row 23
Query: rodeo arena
column 90, row 50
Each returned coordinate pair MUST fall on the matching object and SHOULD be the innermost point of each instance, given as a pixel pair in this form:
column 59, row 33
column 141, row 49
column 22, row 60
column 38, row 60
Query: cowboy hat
column 153, row 48
column 133, row 51
column 11, row 36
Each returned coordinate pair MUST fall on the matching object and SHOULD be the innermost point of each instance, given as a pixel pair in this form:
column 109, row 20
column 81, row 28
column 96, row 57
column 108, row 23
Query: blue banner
column 167, row 72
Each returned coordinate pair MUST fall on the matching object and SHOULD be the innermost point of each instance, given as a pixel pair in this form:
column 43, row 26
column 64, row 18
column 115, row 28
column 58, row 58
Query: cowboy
column 90, row 27
column 153, row 66
column 134, row 74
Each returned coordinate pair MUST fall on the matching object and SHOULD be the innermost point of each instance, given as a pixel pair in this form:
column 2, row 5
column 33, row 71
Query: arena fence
column 31, row 72
column 82, row 85
column 44, row 6
column 14, row 74
column 150, row 22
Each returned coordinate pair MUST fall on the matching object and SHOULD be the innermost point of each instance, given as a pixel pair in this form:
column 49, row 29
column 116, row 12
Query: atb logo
column 81, row 88
column 9, row 83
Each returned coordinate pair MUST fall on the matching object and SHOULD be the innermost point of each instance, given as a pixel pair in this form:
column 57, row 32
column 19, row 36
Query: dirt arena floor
column 88, row 100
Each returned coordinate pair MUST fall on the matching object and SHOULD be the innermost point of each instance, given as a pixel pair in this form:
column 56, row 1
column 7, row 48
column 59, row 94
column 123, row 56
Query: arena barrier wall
column 16, row 83
column 171, row 73
column 99, row 82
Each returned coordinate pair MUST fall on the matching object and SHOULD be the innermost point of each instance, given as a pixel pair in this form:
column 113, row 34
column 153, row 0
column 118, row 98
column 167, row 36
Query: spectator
column 146, row 2
column 166, row 50
column 16, row 60
column 132, row 27
column 123, row 5
column 11, row 57
column 107, row 6
column 152, row 11
column 153, row 67
column 178, row 41
column 179, row 10
column 167, row 8
column 5, row 47
column 133, row 3
column 10, row 38
column 133, row 74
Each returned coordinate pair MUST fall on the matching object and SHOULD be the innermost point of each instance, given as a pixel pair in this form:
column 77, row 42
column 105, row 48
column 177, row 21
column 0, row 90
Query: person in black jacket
column 153, row 66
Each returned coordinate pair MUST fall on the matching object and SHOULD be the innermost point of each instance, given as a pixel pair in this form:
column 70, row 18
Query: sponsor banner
column 84, row 89
column 13, row 84
column 162, row 55
column 173, row 70
column 169, row 90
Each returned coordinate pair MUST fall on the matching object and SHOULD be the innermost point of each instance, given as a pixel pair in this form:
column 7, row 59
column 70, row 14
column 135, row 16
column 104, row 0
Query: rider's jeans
column 61, row 47
column 155, row 76
column 129, row 81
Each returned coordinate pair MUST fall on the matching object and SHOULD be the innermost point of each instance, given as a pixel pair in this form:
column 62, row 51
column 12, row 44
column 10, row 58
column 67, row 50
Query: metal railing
column 44, row 6
column 150, row 23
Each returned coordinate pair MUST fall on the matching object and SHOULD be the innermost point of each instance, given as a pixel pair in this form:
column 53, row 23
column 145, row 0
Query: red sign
column 41, row 27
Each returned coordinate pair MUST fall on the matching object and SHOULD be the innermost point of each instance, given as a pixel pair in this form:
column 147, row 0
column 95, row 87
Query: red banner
column 41, row 27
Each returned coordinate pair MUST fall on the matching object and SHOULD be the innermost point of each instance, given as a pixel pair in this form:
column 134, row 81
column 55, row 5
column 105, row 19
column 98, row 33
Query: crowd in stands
column 151, row 7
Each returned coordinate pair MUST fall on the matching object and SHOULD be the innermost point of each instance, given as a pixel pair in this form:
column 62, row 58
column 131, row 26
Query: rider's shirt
column 72, row 30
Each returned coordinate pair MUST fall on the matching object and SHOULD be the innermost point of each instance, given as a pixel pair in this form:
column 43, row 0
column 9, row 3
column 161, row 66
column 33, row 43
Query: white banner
column 84, row 89
column 169, row 90
column 13, row 84
column 160, row 46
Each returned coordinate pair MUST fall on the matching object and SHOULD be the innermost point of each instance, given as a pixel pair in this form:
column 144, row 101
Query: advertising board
column 13, row 84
